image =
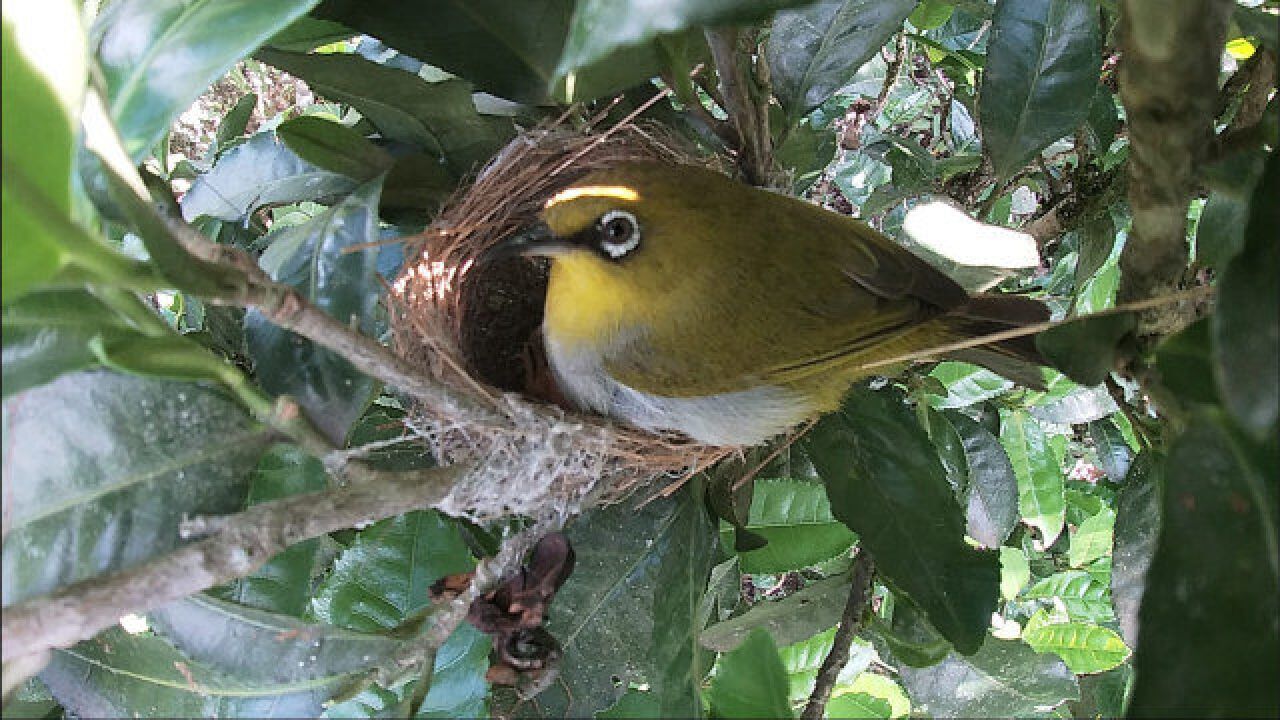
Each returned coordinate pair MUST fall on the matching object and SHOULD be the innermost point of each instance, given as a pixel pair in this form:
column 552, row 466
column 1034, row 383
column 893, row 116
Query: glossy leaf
column 876, row 691
column 510, row 50
column 1097, row 241
column 967, row 384
column 909, row 636
column 992, row 508
column 1246, row 333
column 1186, row 365
column 310, row 257
column 815, row 50
column 751, row 682
column 795, row 518
column 236, row 120
column 283, row 584
column 803, row 659
column 1083, row 647
column 1085, row 349
column 268, row 648
column 858, row 705
column 885, row 483
column 1015, row 572
column 1084, row 598
column 796, row 617
column 1092, row 539
column 100, row 469
column 1216, row 559
column 1137, row 530
column 1040, row 478
column 259, row 172
column 158, row 56
column 439, row 117
column 47, row 333
column 630, row 608
column 334, row 147
column 386, row 574
column 1042, row 67
column 1114, row 454
column 44, row 74
column 458, row 685
column 1003, row 679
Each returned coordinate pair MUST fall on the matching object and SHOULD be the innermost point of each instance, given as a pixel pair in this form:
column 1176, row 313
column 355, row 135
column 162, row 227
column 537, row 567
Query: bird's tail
column 1015, row 358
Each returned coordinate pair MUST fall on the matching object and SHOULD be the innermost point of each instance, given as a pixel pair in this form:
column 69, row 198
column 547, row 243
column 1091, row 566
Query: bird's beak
column 535, row 240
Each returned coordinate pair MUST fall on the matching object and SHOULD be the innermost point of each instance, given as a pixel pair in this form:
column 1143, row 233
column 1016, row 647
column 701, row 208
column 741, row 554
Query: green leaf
column 795, row 518
column 1208, row 640
column 1246, row 331
column 796, row 617
column 32, row 699
column 967, row 384
column 256, row 173
column 873, row 687
column 283, row 584
column 885, row 483
column 439, row 117
column 308, row 33
column 1085, row 648
column 601, row 27
column 458, row 686
column 1097, row 241
column 750, row 681
column 310, row 257
column 803, row 659
column 44, row 74
column 1136, row 533
column 1085, row 348
column 236, row 120
column 816, row 49
column 630, row 609
column 910, row 637
column 858, row 705
column 1085, row 598
column 100, row 469
column 386, row 574
column 47, row 332
column 1003, row 679
column 931, row 14
column 1185, row 365
column 1015, row 572
column 1040, row 478
column 992, row 508
column 334, row 147
column 1092, row 539
column 273, row 649
column 1103, row 124
column 806, row 152
column 117, row 675
column 1114, row 454
column 1042, row 68
column 511, row 50
column 157, row 56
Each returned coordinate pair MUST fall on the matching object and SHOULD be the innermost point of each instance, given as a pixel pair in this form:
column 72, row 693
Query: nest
column 475, row 327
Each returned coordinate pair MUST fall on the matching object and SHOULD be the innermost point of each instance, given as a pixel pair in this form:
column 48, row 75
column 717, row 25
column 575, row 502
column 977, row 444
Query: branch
column 850, row 622
column 743, row 100
column 1168, row 81
column 236, row 546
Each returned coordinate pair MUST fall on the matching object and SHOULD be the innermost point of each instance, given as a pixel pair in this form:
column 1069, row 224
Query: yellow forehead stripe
column 620, row 192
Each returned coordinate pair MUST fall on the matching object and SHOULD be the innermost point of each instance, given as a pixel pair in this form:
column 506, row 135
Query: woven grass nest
column 476, row 326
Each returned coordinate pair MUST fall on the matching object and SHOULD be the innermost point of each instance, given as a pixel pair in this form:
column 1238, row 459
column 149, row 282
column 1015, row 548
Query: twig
column 237, row 545
column 743, row 104
column 1169, row 85
column 850, row 622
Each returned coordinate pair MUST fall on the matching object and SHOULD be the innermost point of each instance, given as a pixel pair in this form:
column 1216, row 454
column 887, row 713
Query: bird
column 679, row 299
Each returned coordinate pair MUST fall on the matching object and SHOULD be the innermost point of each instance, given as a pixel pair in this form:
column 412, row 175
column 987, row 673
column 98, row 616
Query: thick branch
column 1168, row 82
column 850, row 623
column 238, row 545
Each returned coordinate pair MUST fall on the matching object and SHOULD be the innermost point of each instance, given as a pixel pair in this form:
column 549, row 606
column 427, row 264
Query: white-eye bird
column 682, row 300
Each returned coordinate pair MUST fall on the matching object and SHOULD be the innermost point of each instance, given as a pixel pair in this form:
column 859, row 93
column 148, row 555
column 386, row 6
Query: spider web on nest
column 475, row 328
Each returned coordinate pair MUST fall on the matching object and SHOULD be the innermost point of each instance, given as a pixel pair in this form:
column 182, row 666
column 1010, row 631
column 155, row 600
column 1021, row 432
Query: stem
column 850, row 622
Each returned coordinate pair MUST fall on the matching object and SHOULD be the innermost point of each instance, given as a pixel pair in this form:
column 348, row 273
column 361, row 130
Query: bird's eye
column 619, row 233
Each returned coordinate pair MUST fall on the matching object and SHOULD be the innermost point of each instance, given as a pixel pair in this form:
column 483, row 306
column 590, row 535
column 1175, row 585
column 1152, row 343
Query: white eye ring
column 617, row 248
